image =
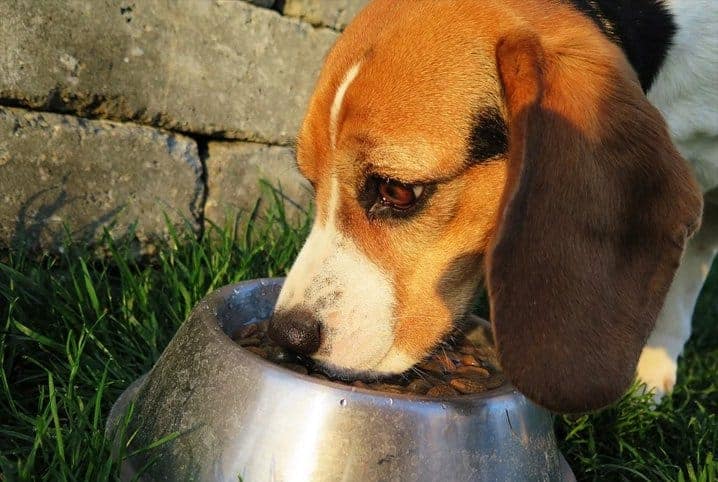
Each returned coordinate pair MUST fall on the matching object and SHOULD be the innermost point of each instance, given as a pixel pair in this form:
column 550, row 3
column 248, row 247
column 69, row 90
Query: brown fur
column 596, row 214
column 586, row 216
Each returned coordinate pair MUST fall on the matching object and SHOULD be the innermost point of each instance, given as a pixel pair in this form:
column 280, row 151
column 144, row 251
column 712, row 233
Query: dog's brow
column 415, row 165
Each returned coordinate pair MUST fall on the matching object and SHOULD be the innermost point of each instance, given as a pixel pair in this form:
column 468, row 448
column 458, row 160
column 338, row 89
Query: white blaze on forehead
column 348, row 293
column 338, row 100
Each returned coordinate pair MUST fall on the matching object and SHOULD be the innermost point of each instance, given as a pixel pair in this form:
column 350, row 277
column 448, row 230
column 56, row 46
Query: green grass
column 678, row 440
column 76, row 330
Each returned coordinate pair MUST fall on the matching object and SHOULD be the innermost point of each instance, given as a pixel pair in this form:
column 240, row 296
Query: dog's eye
column 385, row 198
column 398, row 195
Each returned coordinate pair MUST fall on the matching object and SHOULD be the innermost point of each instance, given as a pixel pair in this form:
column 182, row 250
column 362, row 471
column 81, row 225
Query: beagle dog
column 537, row 147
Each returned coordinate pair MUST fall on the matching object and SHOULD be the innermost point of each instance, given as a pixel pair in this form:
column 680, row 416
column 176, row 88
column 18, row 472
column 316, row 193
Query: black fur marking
column 644, row 29
column 488, row 137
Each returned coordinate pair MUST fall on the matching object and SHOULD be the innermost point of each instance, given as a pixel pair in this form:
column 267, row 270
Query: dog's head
column 450, row 142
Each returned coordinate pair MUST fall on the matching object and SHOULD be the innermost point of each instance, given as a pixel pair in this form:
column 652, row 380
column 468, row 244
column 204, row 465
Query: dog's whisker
column 419, row 373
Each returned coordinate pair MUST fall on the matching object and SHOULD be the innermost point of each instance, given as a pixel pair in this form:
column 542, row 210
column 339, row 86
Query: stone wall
column 119, row 113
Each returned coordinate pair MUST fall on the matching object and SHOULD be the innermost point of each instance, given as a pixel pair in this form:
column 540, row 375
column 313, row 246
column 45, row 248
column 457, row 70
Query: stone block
column 335, row 14
column 58, row 170
column 235, row 171
column 219, row 68
column 259, row 3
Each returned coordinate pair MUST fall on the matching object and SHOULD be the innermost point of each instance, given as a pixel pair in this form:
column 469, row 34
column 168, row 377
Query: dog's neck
column 644, row 29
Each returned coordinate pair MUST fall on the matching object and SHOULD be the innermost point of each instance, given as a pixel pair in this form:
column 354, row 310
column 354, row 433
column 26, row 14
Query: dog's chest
column 686, row 88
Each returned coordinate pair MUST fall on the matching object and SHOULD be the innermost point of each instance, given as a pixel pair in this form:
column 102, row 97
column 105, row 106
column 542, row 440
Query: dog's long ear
column 593, row 222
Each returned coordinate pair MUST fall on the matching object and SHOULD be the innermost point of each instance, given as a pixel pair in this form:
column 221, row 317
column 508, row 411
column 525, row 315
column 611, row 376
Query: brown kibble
column 257, row 351
column 253, row 341
column 440, row 391
column 467, row 349
column 468, row 361
column 467, row 386
column 495, row 381
column 468, row 368
column 262, row 326
column 389, row 388
column 472, row 372
column 432, row 366
column 491, row 365
column 248, row 330
column 419, row 386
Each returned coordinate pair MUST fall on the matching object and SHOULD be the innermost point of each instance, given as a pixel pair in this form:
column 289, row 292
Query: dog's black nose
column 296, row 330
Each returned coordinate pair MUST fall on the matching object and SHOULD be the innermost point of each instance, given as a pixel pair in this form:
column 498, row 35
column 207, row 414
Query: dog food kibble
column 466, row 367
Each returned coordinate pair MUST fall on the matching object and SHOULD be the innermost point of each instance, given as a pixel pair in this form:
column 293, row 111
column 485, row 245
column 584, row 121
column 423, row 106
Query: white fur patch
column 657, row 369
column 685, row 90
column 338, row 101
column 349, row 294
column 395, row 361
column 686, row 93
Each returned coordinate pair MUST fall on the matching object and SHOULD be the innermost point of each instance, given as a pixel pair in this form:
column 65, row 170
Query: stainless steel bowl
column 242, row 418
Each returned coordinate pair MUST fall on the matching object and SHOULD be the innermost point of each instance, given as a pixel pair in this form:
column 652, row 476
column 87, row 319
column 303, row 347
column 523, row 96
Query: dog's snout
column 296, row 330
